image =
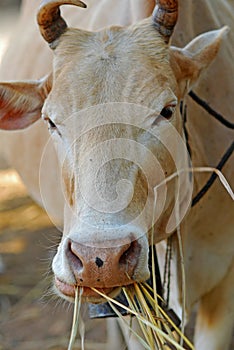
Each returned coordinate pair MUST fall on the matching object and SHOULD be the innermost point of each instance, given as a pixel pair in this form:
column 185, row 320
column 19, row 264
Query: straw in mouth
column 69, row 291
column 105, row 310
column 159, row 327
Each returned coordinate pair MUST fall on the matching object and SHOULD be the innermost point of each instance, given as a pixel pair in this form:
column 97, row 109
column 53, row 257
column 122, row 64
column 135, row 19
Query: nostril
column 99, row 262
column 130, row 256
column 73, row 257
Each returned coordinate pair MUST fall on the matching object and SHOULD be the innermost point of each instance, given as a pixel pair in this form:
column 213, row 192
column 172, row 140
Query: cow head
column 112, row 108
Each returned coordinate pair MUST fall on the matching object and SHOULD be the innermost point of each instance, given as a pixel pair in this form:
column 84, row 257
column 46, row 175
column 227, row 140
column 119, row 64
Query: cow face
column 112, row 108
column 112, row 112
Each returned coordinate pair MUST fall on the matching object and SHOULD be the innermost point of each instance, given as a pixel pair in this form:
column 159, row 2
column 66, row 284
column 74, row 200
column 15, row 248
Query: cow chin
column 67, row 292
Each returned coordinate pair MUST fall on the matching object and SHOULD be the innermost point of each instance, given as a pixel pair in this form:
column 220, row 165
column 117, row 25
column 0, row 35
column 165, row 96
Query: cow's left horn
column 50, row 22
column 165, row 17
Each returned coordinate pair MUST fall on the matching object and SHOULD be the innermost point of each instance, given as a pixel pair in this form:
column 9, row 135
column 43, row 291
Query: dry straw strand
column 76, row 314
column 156, row 329
column 220, row 175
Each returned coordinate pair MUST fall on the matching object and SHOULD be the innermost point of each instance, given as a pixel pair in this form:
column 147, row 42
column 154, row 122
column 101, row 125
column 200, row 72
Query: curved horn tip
column 50, row 22
column 62, row 2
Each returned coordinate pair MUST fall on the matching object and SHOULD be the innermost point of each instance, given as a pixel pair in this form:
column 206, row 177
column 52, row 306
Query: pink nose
column 106, row 267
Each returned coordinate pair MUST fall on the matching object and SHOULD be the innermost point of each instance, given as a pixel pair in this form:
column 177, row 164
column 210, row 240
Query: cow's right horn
column 165, row 17
column 50, row 22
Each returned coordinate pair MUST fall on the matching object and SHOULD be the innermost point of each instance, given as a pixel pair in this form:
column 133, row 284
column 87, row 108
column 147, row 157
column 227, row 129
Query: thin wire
column 167, row 270
column 214, row 176
column 182, row 266
column 211, row 111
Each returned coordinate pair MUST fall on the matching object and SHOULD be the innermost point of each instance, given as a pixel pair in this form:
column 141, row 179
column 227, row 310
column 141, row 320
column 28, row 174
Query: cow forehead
column 113, row 65
column 114, row 41
column 114, row 50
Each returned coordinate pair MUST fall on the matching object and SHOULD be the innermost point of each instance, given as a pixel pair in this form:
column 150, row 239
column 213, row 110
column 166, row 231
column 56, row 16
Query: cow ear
column 189, row 63
column 21, row 102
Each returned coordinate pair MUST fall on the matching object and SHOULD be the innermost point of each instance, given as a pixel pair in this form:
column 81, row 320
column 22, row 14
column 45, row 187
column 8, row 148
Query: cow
column 108, row 96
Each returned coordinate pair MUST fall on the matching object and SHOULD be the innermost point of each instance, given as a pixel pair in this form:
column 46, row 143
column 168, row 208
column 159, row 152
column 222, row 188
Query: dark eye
column 167, row 112
column 52, row 126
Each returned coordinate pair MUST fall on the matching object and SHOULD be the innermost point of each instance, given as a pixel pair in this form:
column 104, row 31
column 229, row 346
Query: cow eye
column 167, row 111
column 51, row 125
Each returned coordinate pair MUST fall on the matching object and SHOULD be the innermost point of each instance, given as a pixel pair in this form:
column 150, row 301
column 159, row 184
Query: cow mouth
column 67, row 291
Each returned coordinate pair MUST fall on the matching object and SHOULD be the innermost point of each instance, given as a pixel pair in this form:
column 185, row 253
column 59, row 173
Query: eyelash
column 52, row 126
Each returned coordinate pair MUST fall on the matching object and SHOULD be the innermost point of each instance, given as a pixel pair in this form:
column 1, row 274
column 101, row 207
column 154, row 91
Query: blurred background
column 10, row 3
column 9, row 11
